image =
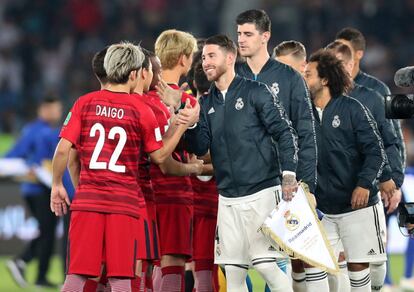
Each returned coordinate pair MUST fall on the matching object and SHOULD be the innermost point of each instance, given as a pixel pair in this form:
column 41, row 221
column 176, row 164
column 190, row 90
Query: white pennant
column 295, row 227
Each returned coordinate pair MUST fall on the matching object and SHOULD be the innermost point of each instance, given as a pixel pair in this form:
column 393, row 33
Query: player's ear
column 324, row 81
column 181, row 60
column 359, row 54
column 265, row 36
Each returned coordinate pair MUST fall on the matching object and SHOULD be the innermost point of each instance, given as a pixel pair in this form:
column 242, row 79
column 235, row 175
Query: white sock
column 276, row 279
column 316, row 280
column 360, row 281
column 377, row 274
column 340, row 282
column 236, row 278
column 299, row 282
column 120, row 285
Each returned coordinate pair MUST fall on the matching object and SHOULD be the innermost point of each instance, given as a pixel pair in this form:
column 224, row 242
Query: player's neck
column 257, row 61
column 118, row 87
column 322, row 99
column 356, row 69
column 225, row 80
column 171, row 75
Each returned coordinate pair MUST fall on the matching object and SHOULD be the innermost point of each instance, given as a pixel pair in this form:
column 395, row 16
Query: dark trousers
column 66, row 222
column 42, row 246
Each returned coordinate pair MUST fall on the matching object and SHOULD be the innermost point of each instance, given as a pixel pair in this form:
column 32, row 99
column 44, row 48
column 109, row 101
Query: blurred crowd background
column 46, row 46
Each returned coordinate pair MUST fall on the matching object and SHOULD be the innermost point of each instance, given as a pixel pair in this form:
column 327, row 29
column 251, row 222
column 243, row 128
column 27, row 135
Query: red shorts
column 175, row 228
column 204, row 233
column 148, row 242
column 96, row 237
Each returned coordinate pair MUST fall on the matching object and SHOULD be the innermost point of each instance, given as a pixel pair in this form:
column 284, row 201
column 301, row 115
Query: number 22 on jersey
column 99, row 129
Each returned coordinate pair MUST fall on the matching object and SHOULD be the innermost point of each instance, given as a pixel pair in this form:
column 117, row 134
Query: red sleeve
column 72, row 126
column 184, row 97
column 152, row 138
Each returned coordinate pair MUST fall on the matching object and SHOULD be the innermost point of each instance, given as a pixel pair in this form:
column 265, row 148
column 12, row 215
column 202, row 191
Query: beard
column 216, row 73
column 315, row 90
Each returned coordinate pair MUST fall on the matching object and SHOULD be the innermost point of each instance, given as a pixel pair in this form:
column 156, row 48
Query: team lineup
column 174, row 177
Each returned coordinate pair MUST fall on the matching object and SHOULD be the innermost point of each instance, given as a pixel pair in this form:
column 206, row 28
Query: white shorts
column 238, row 238
column 362, row 233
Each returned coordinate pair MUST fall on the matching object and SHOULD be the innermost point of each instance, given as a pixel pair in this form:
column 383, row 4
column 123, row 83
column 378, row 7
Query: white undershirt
column 320, row 112
column 224, row 92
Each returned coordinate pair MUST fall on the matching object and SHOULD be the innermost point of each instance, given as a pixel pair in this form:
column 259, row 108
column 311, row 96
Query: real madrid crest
column 239, row 104
column 291, row 221
column 275, row 88
column 336, row 122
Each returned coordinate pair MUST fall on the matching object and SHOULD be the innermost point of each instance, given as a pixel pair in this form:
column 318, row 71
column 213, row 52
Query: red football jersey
column 167, row 188
column 205, row 196
column 109, row 131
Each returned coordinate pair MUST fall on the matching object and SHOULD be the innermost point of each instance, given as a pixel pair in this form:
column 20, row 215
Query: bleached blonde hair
column 172, row 44
column 121, row 59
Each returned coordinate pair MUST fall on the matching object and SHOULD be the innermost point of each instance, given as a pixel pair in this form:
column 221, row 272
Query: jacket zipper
column 227, row 145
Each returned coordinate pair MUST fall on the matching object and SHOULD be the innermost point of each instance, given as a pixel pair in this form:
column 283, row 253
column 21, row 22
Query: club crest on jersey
column 239, row 104
column 275, row 88
column 336, row 122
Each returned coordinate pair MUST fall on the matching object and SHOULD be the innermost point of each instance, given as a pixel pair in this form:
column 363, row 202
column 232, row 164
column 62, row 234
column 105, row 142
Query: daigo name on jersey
column 109, row 112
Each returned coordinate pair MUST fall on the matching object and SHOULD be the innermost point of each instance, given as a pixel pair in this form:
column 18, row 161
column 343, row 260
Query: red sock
column 156, row 279
column 90, row 286
column 172, row 279
column 204, row 275
column 135, row 284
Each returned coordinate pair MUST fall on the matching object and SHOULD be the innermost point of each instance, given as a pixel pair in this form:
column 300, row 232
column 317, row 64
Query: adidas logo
column 271, row 248
column 372, row 252
column 211, row 111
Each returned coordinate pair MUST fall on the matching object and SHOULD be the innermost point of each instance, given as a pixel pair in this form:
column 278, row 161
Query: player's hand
column 59, row 200
column 360, row 198
column 289, row 187
column 394, row 201
column 387, row 190
column 189, row 115
column 170, row 96
column 196, row 165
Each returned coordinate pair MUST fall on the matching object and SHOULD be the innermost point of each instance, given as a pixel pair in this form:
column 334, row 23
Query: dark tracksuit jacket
column 375, row 103
column 375, row 84
column 350, row 154
column 240, row 131
column 292, row 91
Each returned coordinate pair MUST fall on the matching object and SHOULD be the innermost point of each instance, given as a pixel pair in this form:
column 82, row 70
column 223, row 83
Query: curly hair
column 332, row 69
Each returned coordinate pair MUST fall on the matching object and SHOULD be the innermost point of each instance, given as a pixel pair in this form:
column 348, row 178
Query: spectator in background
column 36, row 195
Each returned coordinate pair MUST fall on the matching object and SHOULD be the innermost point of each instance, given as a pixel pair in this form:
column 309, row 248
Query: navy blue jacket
column 373, row 83
column 350, row 153
column 25, row 148
column 292, row 91
column 375, row 103
column 240, row 131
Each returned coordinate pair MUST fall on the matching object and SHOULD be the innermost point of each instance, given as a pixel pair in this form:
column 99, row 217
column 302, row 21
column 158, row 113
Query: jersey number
column 95, row 164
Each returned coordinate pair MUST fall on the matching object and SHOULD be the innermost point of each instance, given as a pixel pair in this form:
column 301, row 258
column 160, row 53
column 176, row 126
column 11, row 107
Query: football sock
column 377, row 275
column 299, row 282
column 172, row 279
column 360, row 281
column 236, row 278
column 316, row 280
column 74, row 283
column 275, row 278
column 120, row 285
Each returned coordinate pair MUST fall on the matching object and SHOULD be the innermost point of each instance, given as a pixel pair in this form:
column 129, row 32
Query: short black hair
column 258, row 17
column 200, row 78
column 49, row 99
column 294, row 48
column 223, row 42
column 148, row 55
column 341, row 48
column 190, row 75
column 354, row 36
column 98, row 66
column 332, row 69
